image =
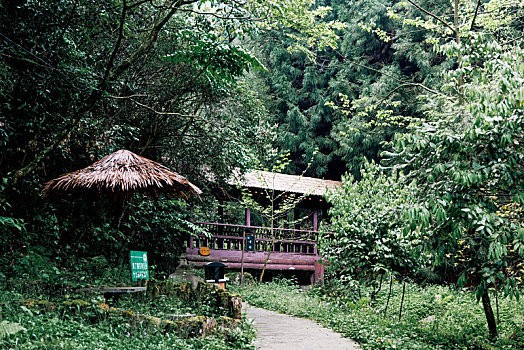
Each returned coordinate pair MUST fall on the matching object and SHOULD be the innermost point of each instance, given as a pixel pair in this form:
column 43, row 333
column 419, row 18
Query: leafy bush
column 367, row 232
column 467, row 161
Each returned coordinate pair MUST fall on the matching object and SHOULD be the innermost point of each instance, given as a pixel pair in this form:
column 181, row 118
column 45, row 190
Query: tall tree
column 467, row 158
column 378, row 59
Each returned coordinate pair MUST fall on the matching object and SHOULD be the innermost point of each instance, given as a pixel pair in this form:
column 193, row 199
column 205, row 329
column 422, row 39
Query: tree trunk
column 457, row 39
column 375, row 292
column 402, row 301
column 497, row 303
column 271, row 247
column 389, row 294
column 490, row 317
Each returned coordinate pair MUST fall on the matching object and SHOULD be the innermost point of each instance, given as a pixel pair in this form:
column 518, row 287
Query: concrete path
column 282, row 332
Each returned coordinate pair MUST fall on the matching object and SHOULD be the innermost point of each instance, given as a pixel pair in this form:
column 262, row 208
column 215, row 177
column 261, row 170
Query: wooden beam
column 285, row 230
column 278, row 267
column 253, row 259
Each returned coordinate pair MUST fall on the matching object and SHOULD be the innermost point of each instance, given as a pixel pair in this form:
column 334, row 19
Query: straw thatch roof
column 286, row 183
column 120, row 175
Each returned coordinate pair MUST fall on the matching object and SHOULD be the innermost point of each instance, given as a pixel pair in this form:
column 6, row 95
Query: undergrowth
column 74, row 321
column 433, row 317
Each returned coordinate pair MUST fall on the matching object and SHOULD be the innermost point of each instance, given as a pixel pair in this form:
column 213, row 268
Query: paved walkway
column 281, row 332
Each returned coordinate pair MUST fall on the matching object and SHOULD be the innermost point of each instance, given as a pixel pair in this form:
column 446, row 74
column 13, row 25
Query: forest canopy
column 417, row 107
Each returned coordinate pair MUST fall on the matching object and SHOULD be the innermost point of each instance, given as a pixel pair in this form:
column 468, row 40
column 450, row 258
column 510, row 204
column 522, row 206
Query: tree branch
column 162, row 113
column 512, row 40
column 148, row 43
column 126, row 97
column 432, row 15
column 219, row 16
column 401, row 81
column 392, row 91
column 96, row 94
column 475, row 15
column 118, row 42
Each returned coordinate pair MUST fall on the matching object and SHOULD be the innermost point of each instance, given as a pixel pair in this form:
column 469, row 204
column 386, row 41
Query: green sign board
column 250, row 243
column 139, row 270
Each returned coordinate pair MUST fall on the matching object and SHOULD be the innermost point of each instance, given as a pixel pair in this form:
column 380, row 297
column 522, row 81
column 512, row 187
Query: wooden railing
column 230, row 237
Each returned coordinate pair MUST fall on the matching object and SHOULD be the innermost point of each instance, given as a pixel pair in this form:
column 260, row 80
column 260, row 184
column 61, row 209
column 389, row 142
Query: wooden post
column 315, row 219
column 248, row 223
column 319, row 272
column 402, row 300
column 191, row 243
column 220, row 212
column 248, row 217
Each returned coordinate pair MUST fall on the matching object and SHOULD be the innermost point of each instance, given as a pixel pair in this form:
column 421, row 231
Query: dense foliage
column 462, row 160
column 379, row 58
column 160, row 78
column 420, row 103
column 471, row 191
column 367, row 236
column 75, row 322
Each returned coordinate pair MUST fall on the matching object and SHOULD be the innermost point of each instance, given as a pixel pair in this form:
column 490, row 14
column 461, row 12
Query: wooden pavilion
column 294, row 249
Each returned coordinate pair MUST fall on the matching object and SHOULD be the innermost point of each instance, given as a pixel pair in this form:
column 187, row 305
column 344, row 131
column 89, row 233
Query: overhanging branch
column 432, row 15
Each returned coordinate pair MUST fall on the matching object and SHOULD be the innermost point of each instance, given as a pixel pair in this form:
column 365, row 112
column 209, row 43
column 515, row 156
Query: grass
column 84, row 325
column 68, row 327
column 455, row 321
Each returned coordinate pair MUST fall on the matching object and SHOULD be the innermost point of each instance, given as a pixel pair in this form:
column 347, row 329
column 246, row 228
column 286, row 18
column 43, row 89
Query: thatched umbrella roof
column 120, row 175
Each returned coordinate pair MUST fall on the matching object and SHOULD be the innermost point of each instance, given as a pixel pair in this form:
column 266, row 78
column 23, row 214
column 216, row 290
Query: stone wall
column 185, row 326
column 197, row 292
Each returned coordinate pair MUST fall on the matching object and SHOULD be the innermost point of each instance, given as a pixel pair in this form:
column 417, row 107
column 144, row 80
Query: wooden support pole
column 402, row 300
column 248, row 217
column 319, row 272
column 248, row 223
column 220, row 212
column 315, row 219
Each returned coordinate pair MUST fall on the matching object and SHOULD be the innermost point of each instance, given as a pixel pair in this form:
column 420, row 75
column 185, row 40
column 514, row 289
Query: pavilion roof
column 120, row 175
column 286, row 183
